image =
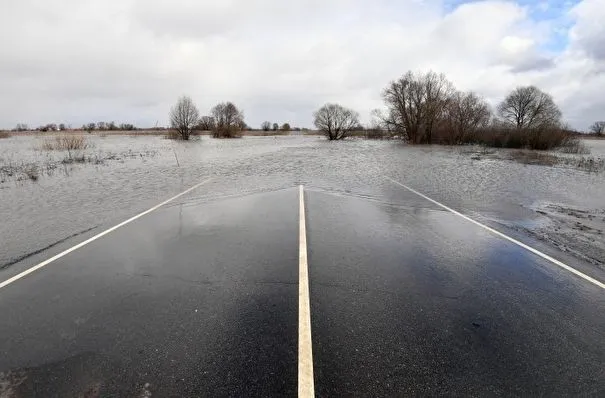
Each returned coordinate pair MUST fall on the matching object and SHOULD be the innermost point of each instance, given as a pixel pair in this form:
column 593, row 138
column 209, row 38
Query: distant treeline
column 100, row 126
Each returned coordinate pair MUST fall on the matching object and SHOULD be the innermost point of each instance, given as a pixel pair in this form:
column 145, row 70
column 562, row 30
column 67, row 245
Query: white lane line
column 508, row 238
column 87, row 241
column 306, row 386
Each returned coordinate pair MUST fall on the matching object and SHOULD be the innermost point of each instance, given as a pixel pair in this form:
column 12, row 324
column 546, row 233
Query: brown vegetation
column 589, row 164
column 4, row 134
column 65, row 142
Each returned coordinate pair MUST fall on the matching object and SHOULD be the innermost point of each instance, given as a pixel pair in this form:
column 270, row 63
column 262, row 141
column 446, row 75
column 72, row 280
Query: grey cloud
column 76, row 61
column 533, row 64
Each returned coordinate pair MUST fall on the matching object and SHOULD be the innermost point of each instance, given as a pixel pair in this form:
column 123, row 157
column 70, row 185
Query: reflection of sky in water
column 60, row 205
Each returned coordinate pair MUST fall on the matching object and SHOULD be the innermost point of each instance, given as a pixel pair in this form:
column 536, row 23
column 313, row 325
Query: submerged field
column 48, row 196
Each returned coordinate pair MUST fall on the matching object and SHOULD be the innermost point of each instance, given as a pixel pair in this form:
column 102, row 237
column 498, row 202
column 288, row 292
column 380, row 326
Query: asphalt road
column 200, row 298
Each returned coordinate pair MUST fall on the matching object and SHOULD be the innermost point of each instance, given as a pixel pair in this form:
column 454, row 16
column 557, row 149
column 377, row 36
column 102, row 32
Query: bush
column 4, row 134
column 173, row 135
column 226, row 132
column 574, row 145
column 544, row 138
column 65, row 143
column 376, row 134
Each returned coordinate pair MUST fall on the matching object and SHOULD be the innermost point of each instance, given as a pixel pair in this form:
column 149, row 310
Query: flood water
column 124, row 175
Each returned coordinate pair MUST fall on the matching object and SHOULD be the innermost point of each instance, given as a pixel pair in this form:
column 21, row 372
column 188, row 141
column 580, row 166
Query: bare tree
column 229, row 120
column 416, row 103
column 438, row 91
column 465, row 114
column 206, row 123
column 529, row 108
column 285, row 127
column 21, row 127
column 275, row 127
column 266, row 126
column 598, row 128
column 126, row 126
column 335, row 121
column 184, row 116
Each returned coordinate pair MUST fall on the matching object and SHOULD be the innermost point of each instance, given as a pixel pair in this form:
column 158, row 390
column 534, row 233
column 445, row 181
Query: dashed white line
column 306, row 386
column 508, row 238
column 89, row 240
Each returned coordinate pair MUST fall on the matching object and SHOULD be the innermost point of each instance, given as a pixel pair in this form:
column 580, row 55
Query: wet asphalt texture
column 200, row 298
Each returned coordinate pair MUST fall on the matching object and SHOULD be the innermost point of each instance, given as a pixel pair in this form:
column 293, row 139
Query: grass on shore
column 4, row 134
column 585, row 163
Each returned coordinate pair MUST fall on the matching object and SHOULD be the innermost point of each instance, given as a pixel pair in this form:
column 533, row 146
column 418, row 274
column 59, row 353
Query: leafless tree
column 465, row 114
column 21, row 127
column 598, row 128
column 127, row 126
column 285, row 127
column 266, row 126
column 206, row 123
column 275, row 127
column 529, row 108
column 438, row 91
column 229, row 120
column 184, row 116
column 335, row 121
column 416, row 103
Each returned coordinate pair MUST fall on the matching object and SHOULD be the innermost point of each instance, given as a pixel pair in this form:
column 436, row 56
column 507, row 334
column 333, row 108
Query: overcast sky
column 77, row 61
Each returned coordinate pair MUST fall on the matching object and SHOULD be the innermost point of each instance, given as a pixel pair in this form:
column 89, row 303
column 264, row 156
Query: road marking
column 508, row 238
column 306, row 386
column 87, row 241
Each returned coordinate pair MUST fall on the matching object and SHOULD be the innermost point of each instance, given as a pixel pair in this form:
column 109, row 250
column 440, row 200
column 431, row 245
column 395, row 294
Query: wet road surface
column 200, row 298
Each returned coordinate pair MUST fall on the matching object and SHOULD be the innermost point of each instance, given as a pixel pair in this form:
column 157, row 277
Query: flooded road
column 562, row 206
column 199, row 297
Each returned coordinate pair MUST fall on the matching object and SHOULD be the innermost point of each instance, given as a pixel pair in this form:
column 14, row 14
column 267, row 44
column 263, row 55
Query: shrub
column 543, row 138
column 574, row 145
column 376, row 134
column 4, row 134
column 65, row 142
column 226, row 132
column 173, row 135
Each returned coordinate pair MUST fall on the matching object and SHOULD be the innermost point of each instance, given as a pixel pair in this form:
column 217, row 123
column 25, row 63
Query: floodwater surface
column 119, row 176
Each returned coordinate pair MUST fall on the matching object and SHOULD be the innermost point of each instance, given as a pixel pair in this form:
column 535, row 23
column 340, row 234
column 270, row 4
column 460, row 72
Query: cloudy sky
column 77, row 61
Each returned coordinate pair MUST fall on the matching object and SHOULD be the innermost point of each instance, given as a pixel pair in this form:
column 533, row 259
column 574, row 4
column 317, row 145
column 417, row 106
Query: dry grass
column 4, row 134
column 588, row 163
column 529, row 157
column 65, row 142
